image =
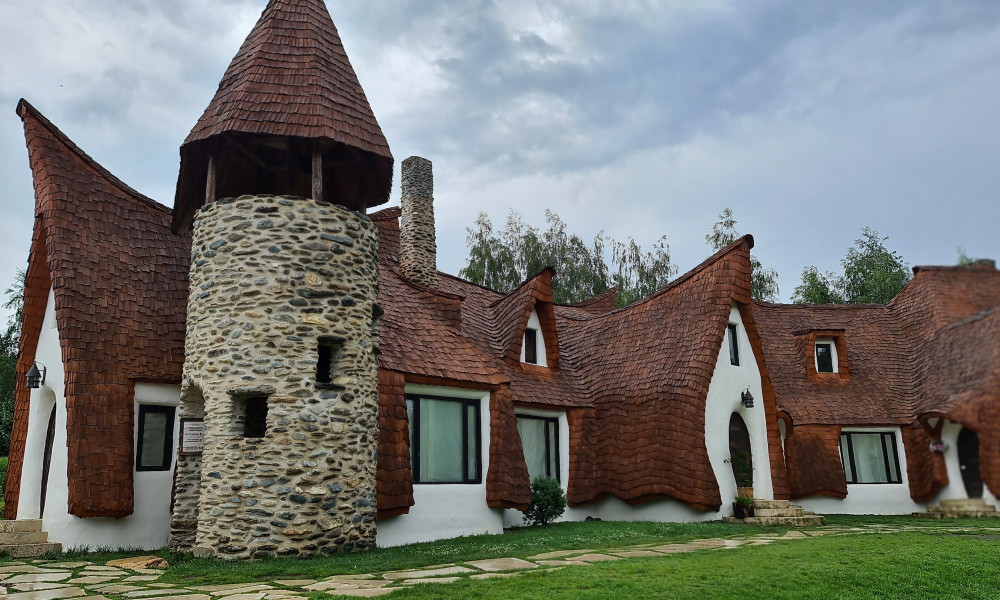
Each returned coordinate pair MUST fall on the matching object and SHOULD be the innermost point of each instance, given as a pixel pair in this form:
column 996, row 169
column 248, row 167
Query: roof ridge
column 523, row 284
column 592, row 299
column 25, row 109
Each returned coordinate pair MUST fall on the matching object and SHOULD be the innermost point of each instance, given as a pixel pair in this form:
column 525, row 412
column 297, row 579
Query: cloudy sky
column 810, row 119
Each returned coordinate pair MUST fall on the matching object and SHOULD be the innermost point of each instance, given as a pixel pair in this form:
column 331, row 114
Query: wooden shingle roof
column 119, row 278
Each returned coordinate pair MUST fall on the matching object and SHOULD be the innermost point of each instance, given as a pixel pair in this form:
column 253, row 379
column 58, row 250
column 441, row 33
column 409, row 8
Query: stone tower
column 279, row 401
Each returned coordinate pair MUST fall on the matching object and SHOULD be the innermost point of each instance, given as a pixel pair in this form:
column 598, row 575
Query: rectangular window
column 445, row 444
column 870, row 457
column 824, row 358
column 255, row 423
column 154, row 450
column 329, row 353
column 734, row 345
column 540, row 441
column 531, row 346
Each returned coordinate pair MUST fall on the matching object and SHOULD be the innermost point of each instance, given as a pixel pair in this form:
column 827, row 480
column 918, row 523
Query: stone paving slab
column 36, row 585
column 558, row 554
column 422, row 580
column 635, row 553
column 66, row 592
column 155, row 592
column 502, row 564
column 295, row 582
column 589, row 558
column 90, row 580
column 422, row 573
column 36, row 577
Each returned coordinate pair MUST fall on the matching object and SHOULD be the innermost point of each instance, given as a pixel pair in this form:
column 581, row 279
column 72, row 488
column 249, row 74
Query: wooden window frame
column 884, row 435
column 551, row 446
column 843, row 372
column 168, row 436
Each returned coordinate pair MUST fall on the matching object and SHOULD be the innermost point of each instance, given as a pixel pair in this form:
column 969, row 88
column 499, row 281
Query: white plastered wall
column 149, row 526
column 728, row 382
column 442, row 511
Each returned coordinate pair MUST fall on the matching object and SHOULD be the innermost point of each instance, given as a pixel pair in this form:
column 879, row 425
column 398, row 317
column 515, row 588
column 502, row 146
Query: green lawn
column 910, row 566
column 930, row 562
column 520, row 543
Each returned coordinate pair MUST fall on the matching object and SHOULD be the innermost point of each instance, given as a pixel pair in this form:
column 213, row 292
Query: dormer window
column 533, row 346
column 826, row 356
column 734, row 344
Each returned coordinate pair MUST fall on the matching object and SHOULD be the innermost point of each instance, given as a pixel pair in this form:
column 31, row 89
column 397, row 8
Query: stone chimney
column 417, row 243
column 984, row 264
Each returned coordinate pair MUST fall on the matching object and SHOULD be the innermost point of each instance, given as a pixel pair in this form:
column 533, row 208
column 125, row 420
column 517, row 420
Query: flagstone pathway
column 54, row 580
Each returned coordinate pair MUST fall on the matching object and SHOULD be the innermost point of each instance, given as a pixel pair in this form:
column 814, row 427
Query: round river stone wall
column 278, row 286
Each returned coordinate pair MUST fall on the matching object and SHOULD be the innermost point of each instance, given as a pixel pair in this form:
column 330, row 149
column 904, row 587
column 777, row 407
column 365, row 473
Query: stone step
column 28, row 550
column 965, row 504
column 771, row 504
column 955, row 514
column 803, row 521
column 23, row 537
column 22, row 525
column 795, row 511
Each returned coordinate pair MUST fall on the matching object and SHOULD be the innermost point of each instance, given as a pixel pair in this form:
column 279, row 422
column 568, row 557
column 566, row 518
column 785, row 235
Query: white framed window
column 445, row 439
column 533, row 343
column 540, row 441
column 825, row 356
column 870, row 457
column 154, row 442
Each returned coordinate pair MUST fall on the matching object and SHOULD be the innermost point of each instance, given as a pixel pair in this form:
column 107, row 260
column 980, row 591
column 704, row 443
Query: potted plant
column 743, row 507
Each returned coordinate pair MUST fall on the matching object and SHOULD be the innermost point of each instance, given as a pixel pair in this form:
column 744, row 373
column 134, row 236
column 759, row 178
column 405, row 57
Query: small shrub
column 548, row 502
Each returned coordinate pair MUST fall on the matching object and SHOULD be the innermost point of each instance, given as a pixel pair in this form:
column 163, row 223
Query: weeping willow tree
column 501, row 260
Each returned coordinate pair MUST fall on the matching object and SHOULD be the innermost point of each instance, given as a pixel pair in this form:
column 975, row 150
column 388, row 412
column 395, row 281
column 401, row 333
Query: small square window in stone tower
column 254, row 415
column 329, row 354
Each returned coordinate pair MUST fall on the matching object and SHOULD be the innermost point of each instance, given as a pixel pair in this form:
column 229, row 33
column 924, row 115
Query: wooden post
column 317, row 171
column 210, row 181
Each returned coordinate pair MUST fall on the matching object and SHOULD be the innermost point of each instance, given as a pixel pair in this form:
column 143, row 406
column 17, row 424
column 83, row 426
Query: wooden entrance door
column 968, row 462
column 740, row 458
column 50, row 435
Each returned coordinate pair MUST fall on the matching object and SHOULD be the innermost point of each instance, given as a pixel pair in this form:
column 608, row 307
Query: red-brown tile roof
column 931, row 352
column 120, row 282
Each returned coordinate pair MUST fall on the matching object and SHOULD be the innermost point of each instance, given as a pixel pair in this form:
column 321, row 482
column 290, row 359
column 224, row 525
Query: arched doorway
column 740, row 456
column 968, row 462
column 50, row 436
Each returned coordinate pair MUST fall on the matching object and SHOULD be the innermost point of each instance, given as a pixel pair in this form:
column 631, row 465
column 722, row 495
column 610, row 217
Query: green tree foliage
column 9, row 340
column 548, row 502
column 502, row 260
column 763, row 281
column 873, row 274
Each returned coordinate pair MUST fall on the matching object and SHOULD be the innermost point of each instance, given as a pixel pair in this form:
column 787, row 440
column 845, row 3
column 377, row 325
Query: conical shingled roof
column 291, row 77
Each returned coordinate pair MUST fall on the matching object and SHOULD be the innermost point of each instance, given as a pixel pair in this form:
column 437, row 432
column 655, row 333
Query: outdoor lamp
column 747, row 398
column 35, row 378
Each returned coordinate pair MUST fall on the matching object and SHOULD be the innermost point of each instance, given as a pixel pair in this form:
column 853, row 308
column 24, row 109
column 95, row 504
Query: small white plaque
column 192, row 436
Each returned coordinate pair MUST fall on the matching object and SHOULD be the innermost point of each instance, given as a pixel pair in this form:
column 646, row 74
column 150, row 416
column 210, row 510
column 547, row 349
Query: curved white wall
column 442, row 511
column 149, row 526
column 724, row 399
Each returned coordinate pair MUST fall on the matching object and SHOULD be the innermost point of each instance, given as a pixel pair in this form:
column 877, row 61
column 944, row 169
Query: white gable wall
column 148, row 527
column 534, row 323
column 728, row 382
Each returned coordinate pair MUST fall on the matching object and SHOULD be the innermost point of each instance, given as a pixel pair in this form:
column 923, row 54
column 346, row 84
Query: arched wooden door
column 740, row 457
column 968, row 462
column 50, row 436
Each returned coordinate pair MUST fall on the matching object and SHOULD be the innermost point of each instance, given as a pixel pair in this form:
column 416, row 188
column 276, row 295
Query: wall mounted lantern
column 746, row 398
column 35, row 378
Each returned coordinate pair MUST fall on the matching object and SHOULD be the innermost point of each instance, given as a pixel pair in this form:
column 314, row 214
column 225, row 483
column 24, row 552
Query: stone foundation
column 288, row 467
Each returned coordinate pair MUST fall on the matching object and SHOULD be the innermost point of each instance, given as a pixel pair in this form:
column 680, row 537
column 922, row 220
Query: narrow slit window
column 824, row 358
column 255, row 420
column 734, row 345
column 531, row 346
column 329, row 351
